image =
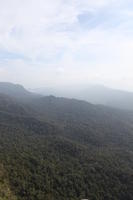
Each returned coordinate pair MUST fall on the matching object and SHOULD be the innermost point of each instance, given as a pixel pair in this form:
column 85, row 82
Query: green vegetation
column 59, row 149
column 5, row 191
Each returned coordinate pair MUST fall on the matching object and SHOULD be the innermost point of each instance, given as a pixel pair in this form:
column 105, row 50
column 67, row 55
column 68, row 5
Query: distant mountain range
column 96, row 94
column 17, row 91
column 56, row 148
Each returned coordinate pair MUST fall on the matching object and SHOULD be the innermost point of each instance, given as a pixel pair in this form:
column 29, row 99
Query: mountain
column 16, row 91
column 96, row 94
column 58, row 148
column 5, row 191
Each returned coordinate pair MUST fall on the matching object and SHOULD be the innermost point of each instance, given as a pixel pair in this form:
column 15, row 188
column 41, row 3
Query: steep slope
column 65, row 149
column 86, row 122
column 10, row 104
column 5, row 190
column 96, row 94
column 16, row 91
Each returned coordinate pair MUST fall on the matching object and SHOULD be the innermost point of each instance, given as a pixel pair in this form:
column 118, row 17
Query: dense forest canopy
column 57, row 149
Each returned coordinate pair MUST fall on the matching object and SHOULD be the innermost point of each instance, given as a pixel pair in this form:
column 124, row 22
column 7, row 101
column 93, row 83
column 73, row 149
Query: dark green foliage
column 59, row 149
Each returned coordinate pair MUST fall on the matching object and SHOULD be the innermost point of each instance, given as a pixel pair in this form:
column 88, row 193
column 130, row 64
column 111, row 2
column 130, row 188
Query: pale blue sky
column 67, row 42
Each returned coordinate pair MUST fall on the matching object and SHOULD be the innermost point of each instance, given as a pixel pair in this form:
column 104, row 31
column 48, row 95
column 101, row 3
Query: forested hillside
column 96, row 94
column 58, row 149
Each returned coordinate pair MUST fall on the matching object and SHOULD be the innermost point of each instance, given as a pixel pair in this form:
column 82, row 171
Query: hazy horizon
column 68, row 88
column 67, row 43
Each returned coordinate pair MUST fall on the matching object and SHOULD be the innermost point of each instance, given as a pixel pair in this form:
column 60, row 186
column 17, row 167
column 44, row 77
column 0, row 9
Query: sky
column 67, row 42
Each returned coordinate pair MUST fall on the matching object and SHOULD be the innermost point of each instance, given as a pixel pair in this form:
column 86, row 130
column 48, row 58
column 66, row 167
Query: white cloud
column 56, row 48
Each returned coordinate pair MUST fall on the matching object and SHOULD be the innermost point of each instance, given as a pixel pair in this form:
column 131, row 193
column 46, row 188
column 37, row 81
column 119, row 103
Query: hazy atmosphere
column 58, row 42
column 66, row 100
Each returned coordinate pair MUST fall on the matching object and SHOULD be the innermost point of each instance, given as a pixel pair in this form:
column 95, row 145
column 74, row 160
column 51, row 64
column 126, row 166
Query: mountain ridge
column 16, row 91
column 96, row 94
column 59, row 148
